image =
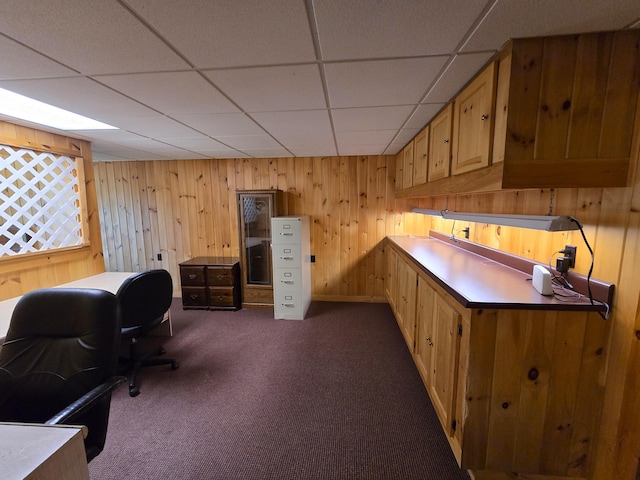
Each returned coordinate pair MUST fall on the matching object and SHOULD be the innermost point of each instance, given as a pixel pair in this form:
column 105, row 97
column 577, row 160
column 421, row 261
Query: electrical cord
column 591, row 299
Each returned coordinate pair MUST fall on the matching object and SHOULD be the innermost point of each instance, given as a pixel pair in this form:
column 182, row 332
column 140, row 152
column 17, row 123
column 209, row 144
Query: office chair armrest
column 85, row 402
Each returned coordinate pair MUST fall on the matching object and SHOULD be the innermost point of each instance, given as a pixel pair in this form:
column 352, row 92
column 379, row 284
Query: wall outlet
column 570, row 255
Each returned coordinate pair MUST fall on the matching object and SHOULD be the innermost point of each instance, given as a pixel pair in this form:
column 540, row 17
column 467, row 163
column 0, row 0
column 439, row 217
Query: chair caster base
column 134, row 391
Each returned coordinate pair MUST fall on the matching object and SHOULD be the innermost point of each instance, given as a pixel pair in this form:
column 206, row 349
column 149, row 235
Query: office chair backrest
column 144, row 298
column 61, row 343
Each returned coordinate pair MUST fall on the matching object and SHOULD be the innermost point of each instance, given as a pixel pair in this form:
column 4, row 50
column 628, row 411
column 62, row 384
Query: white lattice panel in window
column 39, row 201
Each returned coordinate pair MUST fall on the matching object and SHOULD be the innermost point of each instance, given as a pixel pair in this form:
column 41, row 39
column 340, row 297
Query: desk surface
column 109, row 281
column 42, row 451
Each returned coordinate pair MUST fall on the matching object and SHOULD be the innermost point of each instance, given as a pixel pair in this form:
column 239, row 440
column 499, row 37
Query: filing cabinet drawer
column 286, row 230
column 192, row 276
column 220, row 276
column 221, row 297
column 286, row 256
column 194, row 297
column 288, row 278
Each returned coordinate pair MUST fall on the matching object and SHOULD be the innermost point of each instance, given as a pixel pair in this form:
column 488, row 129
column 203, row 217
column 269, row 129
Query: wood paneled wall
column 186, row 208
column 20, row 274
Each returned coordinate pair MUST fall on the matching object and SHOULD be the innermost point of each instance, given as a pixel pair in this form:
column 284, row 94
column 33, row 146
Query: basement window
column 41, row 201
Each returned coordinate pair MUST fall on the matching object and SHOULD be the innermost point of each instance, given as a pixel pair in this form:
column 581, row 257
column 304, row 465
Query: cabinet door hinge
column 460, row 330
column 453, row 424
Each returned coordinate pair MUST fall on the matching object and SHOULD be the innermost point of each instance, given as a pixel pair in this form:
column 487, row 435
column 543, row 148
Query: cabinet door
column 472, row 125
column 391, row 277
column 406, row 316
column 444, row 361
column 424, row 329
column 407, row 168
column 399, row 169
column 440, row 145
column 420, row 152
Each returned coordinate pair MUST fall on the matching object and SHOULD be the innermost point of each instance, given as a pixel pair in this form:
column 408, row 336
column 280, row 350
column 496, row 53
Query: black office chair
column 58, row 361
column 144, row 299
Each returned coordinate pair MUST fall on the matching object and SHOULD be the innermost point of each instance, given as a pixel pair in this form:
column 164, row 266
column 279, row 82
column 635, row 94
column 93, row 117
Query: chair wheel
column 175, row 365
column 161, row 351
column 134, row 392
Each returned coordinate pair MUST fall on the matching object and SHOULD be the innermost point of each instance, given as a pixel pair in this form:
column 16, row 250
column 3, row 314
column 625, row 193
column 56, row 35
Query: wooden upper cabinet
column 440, row 145
column 407, row 169
column 562, row 114
column 399, row 169
column 472, row 123
column 420, row 157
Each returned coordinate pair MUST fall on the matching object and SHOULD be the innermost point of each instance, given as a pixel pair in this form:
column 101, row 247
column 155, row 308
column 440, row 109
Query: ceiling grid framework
column 239, row 78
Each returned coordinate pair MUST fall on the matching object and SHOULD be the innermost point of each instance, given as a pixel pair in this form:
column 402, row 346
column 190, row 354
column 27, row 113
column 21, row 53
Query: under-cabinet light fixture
column 549, row 223
column 25, row 108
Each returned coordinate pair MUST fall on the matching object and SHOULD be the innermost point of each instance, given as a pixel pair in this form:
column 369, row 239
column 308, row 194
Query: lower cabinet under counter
column 518, row 391
column 210, row 283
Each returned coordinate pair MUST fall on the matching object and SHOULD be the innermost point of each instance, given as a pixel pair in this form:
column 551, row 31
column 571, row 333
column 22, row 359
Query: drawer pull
column 286, row 234
column 290, row 305
column 192, row 276
column 288, row 282
column 286, row 258
column 193, row 296
column 220, row 277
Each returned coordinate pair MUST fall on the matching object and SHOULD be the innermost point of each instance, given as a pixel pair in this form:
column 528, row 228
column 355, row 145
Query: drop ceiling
column 278, row 78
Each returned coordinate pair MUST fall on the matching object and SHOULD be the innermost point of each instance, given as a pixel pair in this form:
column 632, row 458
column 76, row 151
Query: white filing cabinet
column 291, row 255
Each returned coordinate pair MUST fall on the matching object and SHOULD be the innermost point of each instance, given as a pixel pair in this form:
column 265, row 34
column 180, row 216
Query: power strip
column 541, row 280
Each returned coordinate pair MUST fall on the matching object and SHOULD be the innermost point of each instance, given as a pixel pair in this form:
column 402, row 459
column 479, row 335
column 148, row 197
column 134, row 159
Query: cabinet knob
column 194, row 296
column 446, row 140
column 484, row 117
column 220, row 277
column 192, row 276
column 428, row 340
column 424, row 155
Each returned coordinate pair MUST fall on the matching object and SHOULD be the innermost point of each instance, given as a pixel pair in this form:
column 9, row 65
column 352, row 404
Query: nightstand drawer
column 194, row 296
column 192, row 276
column 221, row 297
column 220, row 276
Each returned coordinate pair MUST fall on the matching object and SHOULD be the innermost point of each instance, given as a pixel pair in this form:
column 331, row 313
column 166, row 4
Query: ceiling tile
column 371, row 137
column 108, row 152
column 309, row 140
column 366, row 149
column 228, row 33
column 21, row 62
column 195, row 144
column 362, row 29
column 90, row 37
column 387, row 81
column 509, row 19
column 264, row 89
column 79, row 95
column 324, row 151
column 171, row 92
column 423, row 114
column 403, row 137
column 268, row 152
column 216, row 125
column 154, row 127
column 460, row 71
column 245, row 142
column 306, row 122
column 370, row 118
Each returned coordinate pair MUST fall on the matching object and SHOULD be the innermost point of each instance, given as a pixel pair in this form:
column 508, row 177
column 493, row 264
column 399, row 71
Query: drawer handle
column 286, row 234
column 193, row 296
column 192, row 276
column 220, row 277
column 286, row 258
column 288, row 282
column 290, row 305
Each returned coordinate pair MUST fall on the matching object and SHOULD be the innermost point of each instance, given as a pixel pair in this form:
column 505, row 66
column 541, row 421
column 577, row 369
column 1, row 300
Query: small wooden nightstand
column 211, row 283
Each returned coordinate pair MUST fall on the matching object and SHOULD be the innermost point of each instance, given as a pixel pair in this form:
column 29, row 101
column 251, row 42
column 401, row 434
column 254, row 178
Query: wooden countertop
column 477, row 281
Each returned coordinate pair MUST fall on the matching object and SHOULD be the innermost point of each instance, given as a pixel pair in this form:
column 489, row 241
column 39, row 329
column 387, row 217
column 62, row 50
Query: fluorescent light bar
column 25, row 108
column 549, row 223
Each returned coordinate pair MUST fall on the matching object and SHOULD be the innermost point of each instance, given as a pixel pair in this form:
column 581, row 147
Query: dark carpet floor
column 335, row 396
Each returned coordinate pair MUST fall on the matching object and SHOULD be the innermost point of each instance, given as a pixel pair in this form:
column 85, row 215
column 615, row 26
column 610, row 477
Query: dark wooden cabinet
column 211, row 283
